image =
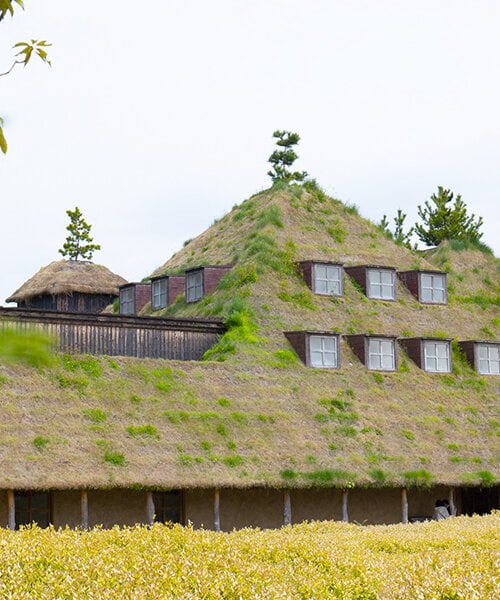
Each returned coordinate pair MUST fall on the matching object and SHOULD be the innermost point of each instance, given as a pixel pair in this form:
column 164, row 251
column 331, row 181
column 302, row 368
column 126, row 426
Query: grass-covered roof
column 252, row 413
column 68, row 277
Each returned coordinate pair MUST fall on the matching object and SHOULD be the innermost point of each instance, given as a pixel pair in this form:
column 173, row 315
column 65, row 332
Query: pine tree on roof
column 78, row 243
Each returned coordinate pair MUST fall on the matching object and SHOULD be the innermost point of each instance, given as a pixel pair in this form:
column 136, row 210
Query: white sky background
column 157, row 116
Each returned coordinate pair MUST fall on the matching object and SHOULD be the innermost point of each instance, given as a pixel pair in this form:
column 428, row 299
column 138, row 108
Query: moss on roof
column 252, row 413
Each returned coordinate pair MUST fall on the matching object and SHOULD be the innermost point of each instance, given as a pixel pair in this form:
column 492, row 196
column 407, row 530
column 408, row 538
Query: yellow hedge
column 447, row 560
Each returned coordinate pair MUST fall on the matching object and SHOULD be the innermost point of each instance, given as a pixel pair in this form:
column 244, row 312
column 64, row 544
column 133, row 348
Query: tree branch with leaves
column 26, row 51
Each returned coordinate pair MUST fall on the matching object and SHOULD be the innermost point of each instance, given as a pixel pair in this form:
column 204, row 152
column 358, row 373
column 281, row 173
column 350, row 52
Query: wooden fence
column 120, row 335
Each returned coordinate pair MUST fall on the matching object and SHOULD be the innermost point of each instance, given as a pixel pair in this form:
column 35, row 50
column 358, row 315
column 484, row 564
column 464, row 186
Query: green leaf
column 3, row 141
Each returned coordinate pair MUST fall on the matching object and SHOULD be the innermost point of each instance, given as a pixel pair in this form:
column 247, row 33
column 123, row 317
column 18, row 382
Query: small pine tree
column 282, row 159
column 79, row 242
column 399, row 235
column 444, row 221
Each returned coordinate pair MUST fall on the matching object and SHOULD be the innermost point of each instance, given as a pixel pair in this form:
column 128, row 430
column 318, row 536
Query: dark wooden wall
column 469, row 349
column 410, row 280
column 357, row 343
column 121, row 335
column 298, row 340
column 176, row 286
column 75, row 302
column 359, row 275
column 142, row 295
column 413, row 347
column 211, row 277
column 305, row 269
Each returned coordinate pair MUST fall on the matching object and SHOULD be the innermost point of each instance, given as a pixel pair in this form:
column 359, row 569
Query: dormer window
column 428, row 287
column 378, row 283
column 430, row 354
column 194, row 286
column 127, row 301
column 323, row 351
column 376, row 351
column 327, row 279
column 319, row 349
column 484, row 357
column 159, row 293
column 381, row 354
column 134, row 297
column 433, row 288
column 381, row 284
column 203, row 280
column 322, row 277
column 437, row 356
column 488, row 359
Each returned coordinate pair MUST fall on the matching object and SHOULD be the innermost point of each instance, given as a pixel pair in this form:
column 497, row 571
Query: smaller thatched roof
column 66, row 277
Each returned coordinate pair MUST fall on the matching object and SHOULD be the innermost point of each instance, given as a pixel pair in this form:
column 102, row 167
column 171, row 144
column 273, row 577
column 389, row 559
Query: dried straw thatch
column 66, row 277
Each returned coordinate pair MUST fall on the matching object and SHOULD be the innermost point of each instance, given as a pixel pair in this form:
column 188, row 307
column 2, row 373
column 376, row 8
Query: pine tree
column 282, row 159
column 444, row 221
column 399, row 236
column 79, row 242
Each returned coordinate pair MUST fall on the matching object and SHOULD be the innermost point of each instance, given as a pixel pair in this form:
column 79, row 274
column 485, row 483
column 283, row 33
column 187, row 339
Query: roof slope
column 68, row 276
column 252, row 413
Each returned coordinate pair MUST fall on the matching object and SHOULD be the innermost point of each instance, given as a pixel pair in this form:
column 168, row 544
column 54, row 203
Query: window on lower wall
column 432, row 288
column 488, row 359
column 194, row 286
column 159, row 293
column 381, row 284
column 327, row 280
column 168, row 506
column 33, row 507
column 323, row 351
column 381, row 354
column 127, row 301
column 437, row 357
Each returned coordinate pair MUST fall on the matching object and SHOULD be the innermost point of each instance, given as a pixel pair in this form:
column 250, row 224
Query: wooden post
column 150, row 508
column 216, row 509
column 11, row 505
column 287, row 508
column 451, row 500
column 84, row 509
column 404, row 505
column 345, row 514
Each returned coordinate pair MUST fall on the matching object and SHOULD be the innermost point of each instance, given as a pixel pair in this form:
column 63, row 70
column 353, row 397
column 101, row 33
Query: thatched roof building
column 69, row 285
column 334, row 393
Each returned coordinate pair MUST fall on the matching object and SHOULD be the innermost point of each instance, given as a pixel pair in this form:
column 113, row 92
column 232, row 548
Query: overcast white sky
column 157, row 116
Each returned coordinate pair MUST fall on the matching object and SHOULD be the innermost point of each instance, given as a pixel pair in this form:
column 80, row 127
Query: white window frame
column 194, row 286
column 380, row 284
column 433, row 288
column 127, row 301
column 159, row 293
column 333, row 285
column 491, row 361
column 323, row 352
column 432, row 359
column 377, row 353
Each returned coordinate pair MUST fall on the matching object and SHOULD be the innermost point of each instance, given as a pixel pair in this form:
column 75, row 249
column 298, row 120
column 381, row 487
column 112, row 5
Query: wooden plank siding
column 121, row 335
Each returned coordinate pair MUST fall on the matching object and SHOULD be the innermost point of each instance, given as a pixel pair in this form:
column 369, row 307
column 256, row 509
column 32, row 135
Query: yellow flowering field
column 447, row 560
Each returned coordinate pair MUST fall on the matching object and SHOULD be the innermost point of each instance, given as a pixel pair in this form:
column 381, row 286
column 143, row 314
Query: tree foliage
column 79, row 242
column 443, row 220
column 399, row 235
column 23, row 56
column 284, row 157
column 7, row 6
